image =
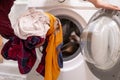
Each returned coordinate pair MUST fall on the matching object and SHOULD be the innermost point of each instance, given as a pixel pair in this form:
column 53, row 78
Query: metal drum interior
column 71, row 37
column 72, row 24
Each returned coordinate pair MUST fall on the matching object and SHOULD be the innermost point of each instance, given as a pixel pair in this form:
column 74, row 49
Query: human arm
column 102, row 4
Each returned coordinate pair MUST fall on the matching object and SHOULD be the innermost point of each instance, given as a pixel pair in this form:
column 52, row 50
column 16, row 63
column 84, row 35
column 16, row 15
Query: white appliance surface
column 79, row 12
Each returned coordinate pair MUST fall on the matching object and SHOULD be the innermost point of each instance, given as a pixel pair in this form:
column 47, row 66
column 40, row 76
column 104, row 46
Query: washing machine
column 83, row 38
column 74, row 16
column 93, row 35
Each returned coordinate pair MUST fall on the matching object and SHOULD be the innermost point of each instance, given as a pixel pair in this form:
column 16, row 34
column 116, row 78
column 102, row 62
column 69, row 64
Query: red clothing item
column 5, row 24
column 22, row 51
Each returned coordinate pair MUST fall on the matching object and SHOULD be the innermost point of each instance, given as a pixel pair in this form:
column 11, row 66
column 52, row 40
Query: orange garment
column 1, row 41
column 52, row 69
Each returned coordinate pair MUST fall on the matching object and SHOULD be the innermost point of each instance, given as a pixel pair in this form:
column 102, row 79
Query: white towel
column 32, row 23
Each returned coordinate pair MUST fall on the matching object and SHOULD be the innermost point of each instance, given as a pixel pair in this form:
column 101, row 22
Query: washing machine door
column 101, row 43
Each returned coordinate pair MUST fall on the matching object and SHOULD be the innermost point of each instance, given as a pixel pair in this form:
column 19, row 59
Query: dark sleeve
column 6, row 5
column 5, row 25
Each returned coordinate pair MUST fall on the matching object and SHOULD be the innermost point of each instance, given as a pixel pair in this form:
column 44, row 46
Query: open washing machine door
column 101, row 45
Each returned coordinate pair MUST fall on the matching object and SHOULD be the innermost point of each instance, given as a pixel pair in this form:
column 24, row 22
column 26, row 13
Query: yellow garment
column 52, row 69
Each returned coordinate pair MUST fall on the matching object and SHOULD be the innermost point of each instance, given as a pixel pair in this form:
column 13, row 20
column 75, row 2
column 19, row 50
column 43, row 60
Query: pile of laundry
column 35, row 28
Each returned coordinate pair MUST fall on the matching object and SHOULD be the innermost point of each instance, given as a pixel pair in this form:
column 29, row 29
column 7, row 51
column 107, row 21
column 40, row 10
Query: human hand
column 102, row 4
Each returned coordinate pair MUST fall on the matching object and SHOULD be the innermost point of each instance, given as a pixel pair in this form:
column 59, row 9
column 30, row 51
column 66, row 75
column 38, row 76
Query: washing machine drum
column 101, row 41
